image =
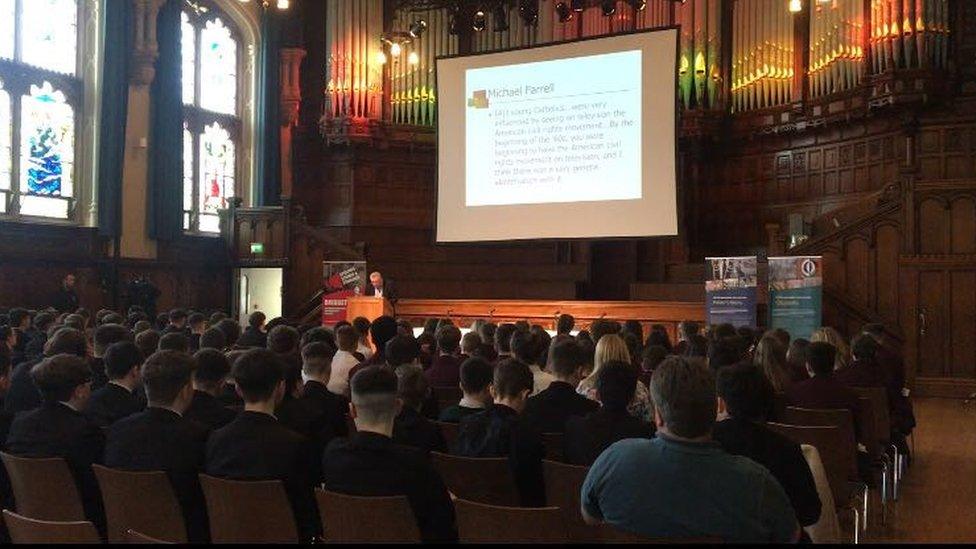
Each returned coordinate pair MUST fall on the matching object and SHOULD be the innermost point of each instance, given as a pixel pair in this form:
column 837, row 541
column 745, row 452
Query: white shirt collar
column 471, row 403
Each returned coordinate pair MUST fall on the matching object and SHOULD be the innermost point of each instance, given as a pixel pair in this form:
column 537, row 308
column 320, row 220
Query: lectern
column 368, row 307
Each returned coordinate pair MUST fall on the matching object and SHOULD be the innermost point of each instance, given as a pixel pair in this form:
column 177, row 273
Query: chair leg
column 857, row 525
column 895, row 476
column 865, row 497
column 884, row 491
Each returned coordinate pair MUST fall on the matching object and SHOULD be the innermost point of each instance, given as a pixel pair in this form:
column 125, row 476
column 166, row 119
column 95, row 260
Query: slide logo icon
column 479, row 99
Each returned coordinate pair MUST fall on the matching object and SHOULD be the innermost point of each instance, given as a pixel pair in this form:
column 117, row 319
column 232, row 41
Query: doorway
column 260, row 289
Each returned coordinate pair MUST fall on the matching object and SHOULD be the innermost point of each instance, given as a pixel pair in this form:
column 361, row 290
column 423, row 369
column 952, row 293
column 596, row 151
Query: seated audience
column 587, row 437
column 653, row 356
column 687, row 331
column 209, row 377
column 827, row 334
column 362, row 324
column 381, row 331
column 487, row 333
column 119, row 397
column 59, row 429
column 148, row 342
column 444, row 370
column 503, row 341
column 334, row 409
column 231, row 330
column 724, row 351
column 745, row 395
column 174, row 341
column 411, row 428
column 864, row 370
column 319, row 333
column 470, row 345
column 902, row 414
column 823, row 391
column 525, row 349
column 681, row 484
column 213, row 339
column 177, row 323
column 344, row 360
column 796, row 359
column 565, row 324
column 23, row 394
column 770, row 358
column 499, row 431
column 476, row 377
column 105, row 336
column 371, row 464
column 198, row 325
column 612, row 347
column 161, row 438
column 256, row 446
column 549, row 409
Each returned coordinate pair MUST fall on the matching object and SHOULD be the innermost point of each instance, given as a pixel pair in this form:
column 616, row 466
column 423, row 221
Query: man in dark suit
column 334, row 409
column 476, row 377
column 444, row 371
column 549, row 410
column 209, row 377
column 256, row 446
column 745, row 394
column 371, row 464
column 379, row 287
column 59, row 429
column 198, row 325
column 162, row 439
column 411, row 428
column 23, row 394
column 105, row 336
column 587, row 437
column 823, row 391
column 118, row 398
column 66, row 299
column 254, row 335
column 499, row 431
column 177, row 323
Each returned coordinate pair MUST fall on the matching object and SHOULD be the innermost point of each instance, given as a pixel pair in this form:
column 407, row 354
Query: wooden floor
column 937, row 501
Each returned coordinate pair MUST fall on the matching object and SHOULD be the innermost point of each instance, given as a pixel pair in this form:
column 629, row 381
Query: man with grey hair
column 371, row 464
column 380, row 287
column 682, row 484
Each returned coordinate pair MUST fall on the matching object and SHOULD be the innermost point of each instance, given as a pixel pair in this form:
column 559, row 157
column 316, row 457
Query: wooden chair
column 878, row 396
column 143, row 501
column 554, row 445
column 449, row 430
column 44, row 488
column 447, row 396
column 485, row 480
column 835, row 454
column 131, row 536
column 481, row 523
column 355, row 519
column 25, row 530
column 248, row 511
column 563, row 484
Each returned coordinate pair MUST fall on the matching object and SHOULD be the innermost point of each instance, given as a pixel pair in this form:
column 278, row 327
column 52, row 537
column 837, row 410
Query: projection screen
column 562, row 141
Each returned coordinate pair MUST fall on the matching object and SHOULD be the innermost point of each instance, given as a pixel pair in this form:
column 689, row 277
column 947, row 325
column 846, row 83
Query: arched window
column 41, row 100
column 212, row 124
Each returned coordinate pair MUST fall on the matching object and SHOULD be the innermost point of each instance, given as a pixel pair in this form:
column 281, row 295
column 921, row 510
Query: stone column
column 135, row 172
column 291, row 100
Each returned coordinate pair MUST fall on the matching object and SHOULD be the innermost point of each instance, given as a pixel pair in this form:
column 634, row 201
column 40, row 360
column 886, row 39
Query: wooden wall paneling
column 887, row 285
column 962, row 222
column 962, row 344
column 857, row 260
column 931, row 357
column 933, row 226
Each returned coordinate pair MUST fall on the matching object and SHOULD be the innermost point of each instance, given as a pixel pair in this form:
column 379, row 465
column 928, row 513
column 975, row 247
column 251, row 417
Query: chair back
column 449, row 431
column 882, row 414
column 827, row 528
column 248, row 511
column 447, row 396
column 356, row 519
column 143, row 501
column 834, row 454
column 131, row 536
column 44, row 488
column 554, row 445
column 25, row 530
column 842, row 419
column 481, row 523
column 869, row 428
column 484, row 480
column 563, row 484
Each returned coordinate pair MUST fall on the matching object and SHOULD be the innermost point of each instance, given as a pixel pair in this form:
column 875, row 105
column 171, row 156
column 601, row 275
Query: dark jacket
column 112, row 403
column 369, row 464
column 444, row 371
column 257, row 446
column 99, row 376
column 334, row 409
column 253, row 337
column 161, row 440
column 587, row 437
column 65, row 300
column 780, row 455
column 500, row 432
column 23, row 394
column 56, row 430
column 209, row 411
column 389, row 290
column 549, row 410
column 825, row 392
column 454, row 414
column 412, row 429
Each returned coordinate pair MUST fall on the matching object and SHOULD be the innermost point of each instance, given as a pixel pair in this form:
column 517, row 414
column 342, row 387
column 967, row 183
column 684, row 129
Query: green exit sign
column 257, row 248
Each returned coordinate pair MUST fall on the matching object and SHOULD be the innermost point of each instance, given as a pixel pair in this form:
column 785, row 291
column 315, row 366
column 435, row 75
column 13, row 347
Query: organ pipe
column 354, row 84
column 909, row 34
column 762, row 63
column 414, row 86
column 836, row 53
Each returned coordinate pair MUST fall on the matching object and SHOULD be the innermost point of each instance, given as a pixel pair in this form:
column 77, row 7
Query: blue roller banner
column 730, row 290
column 796, row 294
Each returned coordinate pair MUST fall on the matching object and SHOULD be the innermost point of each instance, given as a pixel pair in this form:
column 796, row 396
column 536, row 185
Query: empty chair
column 447, row 396
column 842, row 419
column 826, row 529
column 450, row 432
column 131, row 536
column 484, row 480
column 482, row 523
column 143, row 501
column 357, row 519
column 554, row 445
column 248, row 511
column 25, row 530
column 44, row 488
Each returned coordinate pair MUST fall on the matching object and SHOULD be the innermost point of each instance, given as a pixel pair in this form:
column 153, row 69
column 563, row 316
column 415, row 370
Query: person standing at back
column 66, row 299
column 681, row 484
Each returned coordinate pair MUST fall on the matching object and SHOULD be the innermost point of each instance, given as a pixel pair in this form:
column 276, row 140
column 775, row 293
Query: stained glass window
column 216, row 183
column 212, row 126
column 40, row 98
column 49, row 34
column 218, row 68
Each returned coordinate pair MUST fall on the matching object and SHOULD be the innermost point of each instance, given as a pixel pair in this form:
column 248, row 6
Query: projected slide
column 544, row 132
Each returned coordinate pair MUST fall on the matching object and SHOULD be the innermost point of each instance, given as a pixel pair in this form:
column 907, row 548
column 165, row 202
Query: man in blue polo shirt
column 682, row 484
